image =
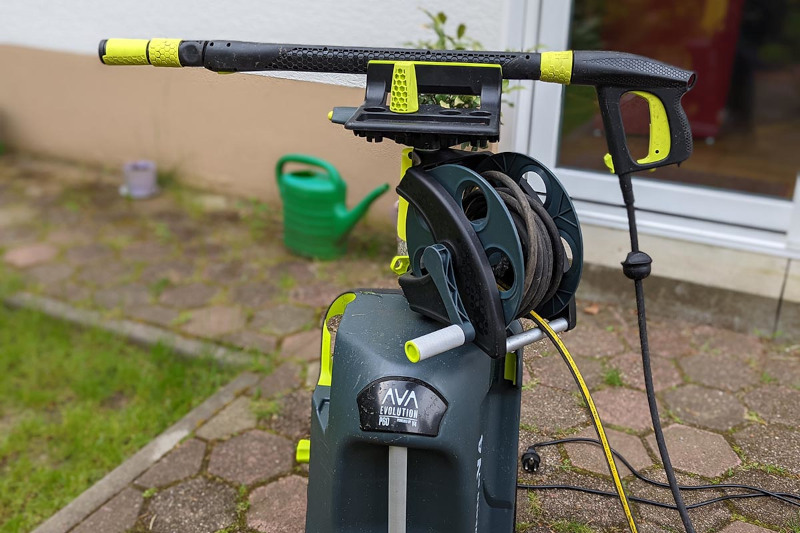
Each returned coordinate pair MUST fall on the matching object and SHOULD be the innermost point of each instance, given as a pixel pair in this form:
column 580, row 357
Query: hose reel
column 499, row 248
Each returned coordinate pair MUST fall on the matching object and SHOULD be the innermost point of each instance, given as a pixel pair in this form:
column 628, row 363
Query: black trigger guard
column 449, row 226
column 681, row 143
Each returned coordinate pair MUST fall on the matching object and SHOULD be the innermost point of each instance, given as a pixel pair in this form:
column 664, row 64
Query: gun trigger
column 660, row 137
column 609, row 162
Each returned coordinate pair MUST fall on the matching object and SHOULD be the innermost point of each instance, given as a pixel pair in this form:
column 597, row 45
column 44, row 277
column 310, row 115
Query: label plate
column 401, row 405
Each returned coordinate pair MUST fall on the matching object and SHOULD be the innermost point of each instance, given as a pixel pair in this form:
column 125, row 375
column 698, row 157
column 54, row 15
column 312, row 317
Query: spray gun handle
column 662, row 86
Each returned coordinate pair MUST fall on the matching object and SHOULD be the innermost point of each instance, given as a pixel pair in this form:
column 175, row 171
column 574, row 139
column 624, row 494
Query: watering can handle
column 333, row 174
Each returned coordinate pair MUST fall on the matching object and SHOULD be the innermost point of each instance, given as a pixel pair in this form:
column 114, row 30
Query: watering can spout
column 350, row 218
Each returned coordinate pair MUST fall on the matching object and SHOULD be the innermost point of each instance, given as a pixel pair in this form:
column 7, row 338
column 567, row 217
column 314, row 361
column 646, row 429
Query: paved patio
column 210, row 267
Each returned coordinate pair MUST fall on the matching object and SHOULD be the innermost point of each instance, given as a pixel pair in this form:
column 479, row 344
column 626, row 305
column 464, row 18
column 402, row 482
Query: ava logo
column 395, row 397
column 401, row 405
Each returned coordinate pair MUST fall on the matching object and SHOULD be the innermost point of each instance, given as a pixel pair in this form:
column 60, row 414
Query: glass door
column 738, row 187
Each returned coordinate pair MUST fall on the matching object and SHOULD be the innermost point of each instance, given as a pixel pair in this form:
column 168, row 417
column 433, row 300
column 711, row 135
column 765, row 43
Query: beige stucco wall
column 223, row 132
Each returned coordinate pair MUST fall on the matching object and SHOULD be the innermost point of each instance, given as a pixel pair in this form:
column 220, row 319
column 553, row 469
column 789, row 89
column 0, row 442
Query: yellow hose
column 598, row 424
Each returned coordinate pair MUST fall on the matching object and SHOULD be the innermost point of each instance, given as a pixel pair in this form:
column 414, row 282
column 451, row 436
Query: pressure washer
column 415, row 416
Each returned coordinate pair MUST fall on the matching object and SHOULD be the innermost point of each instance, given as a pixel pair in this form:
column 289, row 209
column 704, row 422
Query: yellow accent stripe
column 406, row 162
column 164, row 52
column 510, row 368
column 660, row 137
column 326, row 358
column 126, row 52
column 412, row 351
column 598, row 424
column 557, row 67
column 437, row 63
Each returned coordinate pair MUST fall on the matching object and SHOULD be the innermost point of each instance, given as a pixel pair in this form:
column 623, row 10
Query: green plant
column 443, row 40
column 570, row 526
column 613, row 377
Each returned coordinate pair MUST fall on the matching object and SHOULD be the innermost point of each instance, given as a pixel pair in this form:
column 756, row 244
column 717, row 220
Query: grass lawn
column 76, row 403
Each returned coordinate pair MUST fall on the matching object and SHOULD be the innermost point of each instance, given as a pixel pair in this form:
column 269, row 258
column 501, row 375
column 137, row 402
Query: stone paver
column 550, row 410
column 283, row 379
column 554, row 372
column 725, row 342
column 182, row 462
column 778, row 405
column 593, row 341
column 30, row 255
column 199, row 505
column 785, row 369
column 16, row 214
column 103, row 275
column 154, row 314
column 80, row 255
column 49, row 274
column 122, row 296
column 766, row 510
column 252, row 457
column 214, row 321
column 743, row 527
column 623, row 407
column 294, row 420
column 284, row 319
column 147, row 251
column 590, row 457
column 629, row 364
column 319, row 295
column 174, row 272
column 304, row 346
column 697, row 451
column 279, row 507
column 235, row 417
column 722, row 371
column 665, row 339
column 600, row 514
column 255, row 295
column 116, row 516
column 187, row 296
column 705, row 518
column 252, row 340
column 770, row 445
column 704, row 407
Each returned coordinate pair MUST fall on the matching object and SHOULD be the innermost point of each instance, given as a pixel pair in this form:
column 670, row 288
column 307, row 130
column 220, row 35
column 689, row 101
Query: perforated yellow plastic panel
column 404, row 88
column 164, row 52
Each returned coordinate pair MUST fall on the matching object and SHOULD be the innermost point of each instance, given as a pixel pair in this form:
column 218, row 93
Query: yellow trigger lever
column 660, row 137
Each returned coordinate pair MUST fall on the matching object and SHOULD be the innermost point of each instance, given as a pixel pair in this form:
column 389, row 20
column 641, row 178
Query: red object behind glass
column 699, row 36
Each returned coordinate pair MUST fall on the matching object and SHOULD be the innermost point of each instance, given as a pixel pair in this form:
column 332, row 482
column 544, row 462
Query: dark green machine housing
column 461, row 428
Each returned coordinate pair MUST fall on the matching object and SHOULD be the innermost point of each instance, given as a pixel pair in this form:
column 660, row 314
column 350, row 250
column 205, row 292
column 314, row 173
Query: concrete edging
column 135, row 331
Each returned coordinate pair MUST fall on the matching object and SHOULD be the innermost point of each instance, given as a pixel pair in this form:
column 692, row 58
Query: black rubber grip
column 630, row 71
column 239, row 56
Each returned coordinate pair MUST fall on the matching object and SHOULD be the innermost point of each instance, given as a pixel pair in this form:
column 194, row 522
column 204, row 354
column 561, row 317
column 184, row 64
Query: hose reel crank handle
column 442, row 340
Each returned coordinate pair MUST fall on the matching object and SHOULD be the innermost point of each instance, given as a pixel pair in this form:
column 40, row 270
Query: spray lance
column 398, row 75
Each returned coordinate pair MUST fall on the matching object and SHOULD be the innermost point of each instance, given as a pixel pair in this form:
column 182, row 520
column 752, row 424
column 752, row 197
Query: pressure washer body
column 415, row 417
column 457, row 415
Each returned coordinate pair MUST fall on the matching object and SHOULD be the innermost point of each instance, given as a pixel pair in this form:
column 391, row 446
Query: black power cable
column 756, row 492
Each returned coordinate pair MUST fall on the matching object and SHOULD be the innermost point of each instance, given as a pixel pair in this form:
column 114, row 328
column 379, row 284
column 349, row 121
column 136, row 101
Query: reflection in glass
column 744, row 109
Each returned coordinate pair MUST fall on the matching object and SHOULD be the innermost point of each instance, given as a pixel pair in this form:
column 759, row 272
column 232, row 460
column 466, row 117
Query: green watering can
column 315, row 218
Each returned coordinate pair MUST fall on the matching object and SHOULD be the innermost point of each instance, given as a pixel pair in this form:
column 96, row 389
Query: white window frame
column 701, row 214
